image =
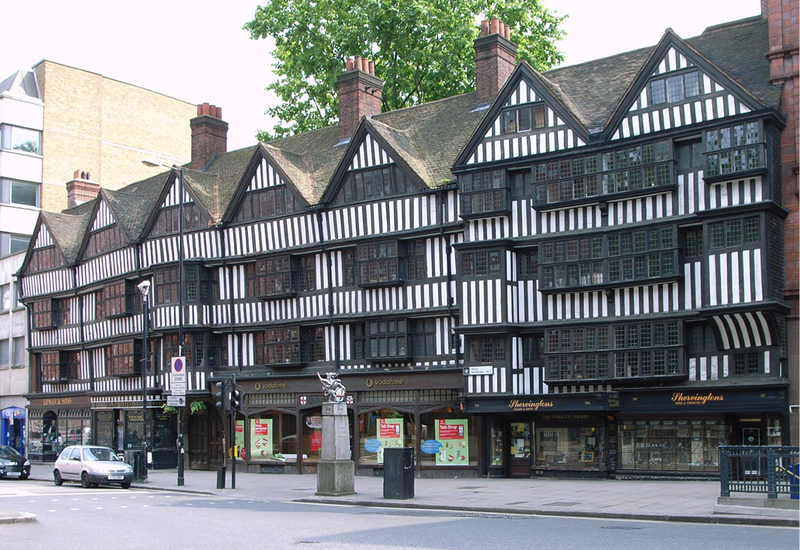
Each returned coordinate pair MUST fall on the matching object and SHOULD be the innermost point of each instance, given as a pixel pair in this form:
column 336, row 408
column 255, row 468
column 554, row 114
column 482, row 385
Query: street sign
column 176, row 401
column 177, row 378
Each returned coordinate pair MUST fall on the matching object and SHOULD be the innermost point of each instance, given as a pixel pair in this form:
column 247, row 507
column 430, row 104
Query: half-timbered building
column 576, row 272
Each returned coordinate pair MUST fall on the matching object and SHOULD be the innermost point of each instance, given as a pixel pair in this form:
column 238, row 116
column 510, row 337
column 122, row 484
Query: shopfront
column 56, row 422
column 678, row 431
column 281, row 428
column 12, row 428
column 550, row 435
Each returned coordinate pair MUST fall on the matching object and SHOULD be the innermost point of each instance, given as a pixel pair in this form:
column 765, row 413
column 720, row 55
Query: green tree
column 422, row 49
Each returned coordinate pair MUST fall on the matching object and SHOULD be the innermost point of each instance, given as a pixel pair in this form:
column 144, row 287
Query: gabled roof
column 68, row 229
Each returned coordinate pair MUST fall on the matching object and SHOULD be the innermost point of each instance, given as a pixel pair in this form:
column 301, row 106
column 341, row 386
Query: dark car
column 91, row 465
column 13, row 464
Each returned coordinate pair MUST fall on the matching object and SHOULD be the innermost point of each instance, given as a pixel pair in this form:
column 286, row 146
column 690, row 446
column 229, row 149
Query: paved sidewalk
column 687, row 501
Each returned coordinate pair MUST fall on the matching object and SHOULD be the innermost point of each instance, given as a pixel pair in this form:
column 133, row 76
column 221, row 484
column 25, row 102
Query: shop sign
column 430, row 446
column 452, row 435
column 482, row 370
column 680, row 398
column 529, row 404
column 269, row 386
column 372, row 382
column 57, row 401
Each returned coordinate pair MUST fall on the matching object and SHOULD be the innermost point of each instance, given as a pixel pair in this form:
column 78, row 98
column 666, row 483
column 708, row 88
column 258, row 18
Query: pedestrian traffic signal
column 222, row 395
column 236, row 399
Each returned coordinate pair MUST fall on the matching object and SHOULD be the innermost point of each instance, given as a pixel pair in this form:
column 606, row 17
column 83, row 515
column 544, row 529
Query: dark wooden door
column 520, row 456
column 206, row 433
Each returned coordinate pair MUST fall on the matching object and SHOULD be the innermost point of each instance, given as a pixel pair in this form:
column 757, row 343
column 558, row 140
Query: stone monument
column 335, row 470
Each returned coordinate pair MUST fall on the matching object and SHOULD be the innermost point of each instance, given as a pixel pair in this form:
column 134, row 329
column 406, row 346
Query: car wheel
column 85, row 480
column 125, row 485
column 57, row 478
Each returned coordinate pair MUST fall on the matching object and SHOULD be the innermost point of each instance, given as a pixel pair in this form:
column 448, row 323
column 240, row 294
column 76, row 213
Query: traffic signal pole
column 234, row 408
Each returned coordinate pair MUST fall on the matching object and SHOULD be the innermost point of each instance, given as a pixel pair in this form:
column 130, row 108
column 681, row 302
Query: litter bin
column 794, row 481
column 221, row 477
column 398, row 473
column 136, row 460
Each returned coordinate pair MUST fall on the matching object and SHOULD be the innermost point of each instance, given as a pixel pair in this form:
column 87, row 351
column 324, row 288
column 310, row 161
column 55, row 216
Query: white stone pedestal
column 335, row 470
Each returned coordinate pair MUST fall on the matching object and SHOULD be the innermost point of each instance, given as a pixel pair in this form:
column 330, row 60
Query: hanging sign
column 177, row 378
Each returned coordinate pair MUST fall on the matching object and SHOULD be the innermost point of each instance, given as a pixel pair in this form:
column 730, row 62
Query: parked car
column 91, row 465
column 13, row 464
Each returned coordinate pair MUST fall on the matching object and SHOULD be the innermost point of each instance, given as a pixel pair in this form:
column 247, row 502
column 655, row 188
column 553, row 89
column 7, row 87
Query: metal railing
column 770, row 469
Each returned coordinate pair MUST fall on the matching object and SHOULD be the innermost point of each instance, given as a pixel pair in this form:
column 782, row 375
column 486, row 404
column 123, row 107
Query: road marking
column 74, row 509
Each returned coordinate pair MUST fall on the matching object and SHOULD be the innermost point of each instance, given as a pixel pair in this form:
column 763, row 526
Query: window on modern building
column 104, row 240
column 268, row 202
column 19, row 192
column 375, row 183
column 488, row 349
column 483, row 193
column 523, row 118
column 674, row 88
column 4, row 355
column 380, row 264
column 124, row 358
column 19, row 352
column 735, row 233
column 16, row 138
column 733, row 149
column 5, row 297
column 11, row 243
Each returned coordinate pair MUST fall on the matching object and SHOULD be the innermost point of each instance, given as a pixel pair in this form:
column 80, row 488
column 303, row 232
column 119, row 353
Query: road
column 76, row 518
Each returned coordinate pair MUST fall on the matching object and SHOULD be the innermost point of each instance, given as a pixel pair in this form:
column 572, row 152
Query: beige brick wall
column 105, row 127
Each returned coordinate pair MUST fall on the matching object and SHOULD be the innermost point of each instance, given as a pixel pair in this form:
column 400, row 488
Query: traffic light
column 236, row 399
column 223, row 395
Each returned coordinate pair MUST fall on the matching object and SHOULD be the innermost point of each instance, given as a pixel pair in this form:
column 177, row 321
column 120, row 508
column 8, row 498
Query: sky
column 196, row 50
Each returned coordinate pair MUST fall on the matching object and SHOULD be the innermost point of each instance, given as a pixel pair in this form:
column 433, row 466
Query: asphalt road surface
column 77, row 519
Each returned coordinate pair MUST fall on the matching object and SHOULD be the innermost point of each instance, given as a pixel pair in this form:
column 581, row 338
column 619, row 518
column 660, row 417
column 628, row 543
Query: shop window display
column 574, row 448
column 672, row 445
column 382, row 429
column 272, row 437
column 448, row 439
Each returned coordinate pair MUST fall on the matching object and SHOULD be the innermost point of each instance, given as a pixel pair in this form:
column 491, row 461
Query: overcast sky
column 196, row 50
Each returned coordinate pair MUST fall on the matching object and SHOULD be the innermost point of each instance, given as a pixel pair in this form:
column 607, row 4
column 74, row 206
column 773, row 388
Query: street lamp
column 153, row 163
column 144, row 288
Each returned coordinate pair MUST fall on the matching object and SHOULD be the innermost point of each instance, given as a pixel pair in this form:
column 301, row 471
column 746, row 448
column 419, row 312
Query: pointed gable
column 266, row 191
column 167, row 216
column 376, row 165
column 44, row 254
column 105, row 234
column 676, row 87
column 531, row 116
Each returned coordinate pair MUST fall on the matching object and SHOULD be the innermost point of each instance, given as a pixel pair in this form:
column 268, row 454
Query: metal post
column 724, row 472
column 180, row 319
column 772, row 478
column 144, row 288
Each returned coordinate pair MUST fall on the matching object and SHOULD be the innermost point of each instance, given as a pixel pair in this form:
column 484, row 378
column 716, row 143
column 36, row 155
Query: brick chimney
column 81, row 189
column 360, row 94
column 209, row 135
column 495, row 59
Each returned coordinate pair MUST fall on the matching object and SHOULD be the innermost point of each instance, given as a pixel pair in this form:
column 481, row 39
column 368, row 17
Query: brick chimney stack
column 209, row 135
column 81, row 189
column 360, row 94
column 495, row 59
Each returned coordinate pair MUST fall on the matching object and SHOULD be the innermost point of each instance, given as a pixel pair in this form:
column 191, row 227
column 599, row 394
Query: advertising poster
column 239, row 440
column 452, row 434
column 260, row 438
column 390, row 434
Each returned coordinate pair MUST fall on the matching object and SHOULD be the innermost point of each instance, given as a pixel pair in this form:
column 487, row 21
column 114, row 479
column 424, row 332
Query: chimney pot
column 495, row 59
column 80, row 189
column 372, row 67
column 360, row 94
column 209, row 135
column 484, row 28
column 494, row 26
column 348, row 64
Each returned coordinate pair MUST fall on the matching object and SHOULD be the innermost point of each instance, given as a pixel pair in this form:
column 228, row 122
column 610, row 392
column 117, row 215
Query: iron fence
column 770, row 469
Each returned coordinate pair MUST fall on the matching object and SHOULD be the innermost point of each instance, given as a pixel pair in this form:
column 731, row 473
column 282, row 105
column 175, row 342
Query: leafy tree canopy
column 422, row 49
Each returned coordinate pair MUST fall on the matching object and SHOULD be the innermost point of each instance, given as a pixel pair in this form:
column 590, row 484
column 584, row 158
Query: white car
column 91, row 465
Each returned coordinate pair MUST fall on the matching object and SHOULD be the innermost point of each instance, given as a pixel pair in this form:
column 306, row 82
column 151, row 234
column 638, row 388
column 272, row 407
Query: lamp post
column 181, row 192
column 144, row 288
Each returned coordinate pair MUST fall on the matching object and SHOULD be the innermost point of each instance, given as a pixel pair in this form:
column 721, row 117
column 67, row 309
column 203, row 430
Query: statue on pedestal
column 332, row 387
